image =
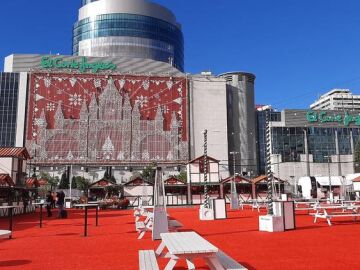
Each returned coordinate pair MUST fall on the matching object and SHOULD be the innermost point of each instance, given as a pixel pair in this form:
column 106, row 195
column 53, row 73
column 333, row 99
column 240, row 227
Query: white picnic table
column 188, row 246
column 5, row 233
column 322, row 211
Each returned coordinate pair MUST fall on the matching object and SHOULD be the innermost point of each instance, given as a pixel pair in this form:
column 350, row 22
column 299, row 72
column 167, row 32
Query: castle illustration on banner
column 107, row 129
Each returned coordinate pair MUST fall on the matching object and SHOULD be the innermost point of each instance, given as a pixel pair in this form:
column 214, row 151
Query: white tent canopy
column 335, row 180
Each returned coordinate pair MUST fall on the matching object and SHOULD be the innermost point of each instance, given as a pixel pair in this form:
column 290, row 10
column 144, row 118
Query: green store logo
column 324, row 117
column 82, row 66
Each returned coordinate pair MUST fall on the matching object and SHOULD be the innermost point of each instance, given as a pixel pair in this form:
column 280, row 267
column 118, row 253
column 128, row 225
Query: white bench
column 147, row 260
column 142, row 228
column 5, row 233
column 227, row 262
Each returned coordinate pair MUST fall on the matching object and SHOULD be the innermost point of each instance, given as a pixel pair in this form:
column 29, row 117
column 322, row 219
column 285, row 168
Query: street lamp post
column 331, row 197
column 344, row 193
column 295, row 184
column 234, row 200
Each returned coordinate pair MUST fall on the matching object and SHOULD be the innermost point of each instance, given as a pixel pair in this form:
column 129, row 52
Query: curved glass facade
column 85, row 2
column 167, row 42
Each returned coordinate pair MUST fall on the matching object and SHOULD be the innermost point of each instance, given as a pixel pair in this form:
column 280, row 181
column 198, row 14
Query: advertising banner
column 110, row 119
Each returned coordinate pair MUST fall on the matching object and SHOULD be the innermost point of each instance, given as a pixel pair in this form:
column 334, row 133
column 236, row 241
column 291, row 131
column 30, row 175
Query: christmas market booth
column 243, row 188
column 176, row 191
column 104, row 189
column 196, row 179
column 139, row 191
column 10, row 194
column 6, row 187
column 259, row 186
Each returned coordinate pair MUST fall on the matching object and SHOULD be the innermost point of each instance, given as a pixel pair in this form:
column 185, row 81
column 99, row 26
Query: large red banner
column 86, row 118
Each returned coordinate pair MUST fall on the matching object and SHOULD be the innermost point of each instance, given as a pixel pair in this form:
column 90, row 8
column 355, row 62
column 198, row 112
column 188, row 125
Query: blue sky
column 297, row 49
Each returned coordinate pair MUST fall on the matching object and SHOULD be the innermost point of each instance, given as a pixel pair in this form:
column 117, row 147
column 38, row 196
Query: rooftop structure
column 337, row 99
column 128, row 28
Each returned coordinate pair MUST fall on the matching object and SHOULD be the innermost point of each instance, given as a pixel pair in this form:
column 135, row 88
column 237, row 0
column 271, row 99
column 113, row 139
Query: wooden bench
column 5, row 233
column 147, row 260
column 227, row 262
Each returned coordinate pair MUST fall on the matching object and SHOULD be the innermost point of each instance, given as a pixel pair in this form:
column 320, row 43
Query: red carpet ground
column 113, row 245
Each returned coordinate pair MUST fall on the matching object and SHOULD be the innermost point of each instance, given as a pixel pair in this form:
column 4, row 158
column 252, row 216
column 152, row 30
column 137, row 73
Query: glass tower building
column 128, row 28
column 9, row 91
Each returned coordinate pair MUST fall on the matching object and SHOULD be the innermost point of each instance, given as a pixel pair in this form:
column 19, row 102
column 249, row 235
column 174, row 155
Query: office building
column 12, row 108
column 313, row 143
column 337, row 99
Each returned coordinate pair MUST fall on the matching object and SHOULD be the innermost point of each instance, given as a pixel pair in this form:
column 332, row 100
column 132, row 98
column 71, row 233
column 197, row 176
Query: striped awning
column 15, row 152
column 32, row 182
column 6, row 180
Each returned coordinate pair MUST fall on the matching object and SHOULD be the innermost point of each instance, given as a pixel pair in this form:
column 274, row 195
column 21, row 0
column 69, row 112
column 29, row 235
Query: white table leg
column 214, row 263
column 141, row 235
column 160, row 249
column 171, row 264
column 190, row 264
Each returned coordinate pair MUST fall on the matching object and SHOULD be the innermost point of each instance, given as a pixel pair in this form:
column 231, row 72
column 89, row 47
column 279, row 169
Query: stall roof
column 138, row 181
column 14, row 152
column 202, row 157
column 102, row 183
column 263, row 178
column 238, row 179
column 173, row 181
column 5, row 179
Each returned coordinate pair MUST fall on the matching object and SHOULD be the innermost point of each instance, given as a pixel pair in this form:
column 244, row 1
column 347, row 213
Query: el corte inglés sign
column 326, row 117
column 83, row 65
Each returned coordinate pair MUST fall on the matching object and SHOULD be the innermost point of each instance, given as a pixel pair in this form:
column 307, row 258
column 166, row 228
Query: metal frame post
column 206, row 195
column 268, row 166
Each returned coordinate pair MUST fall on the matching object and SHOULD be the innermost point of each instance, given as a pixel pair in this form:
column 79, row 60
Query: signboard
column 82, row 66
column 326, row 117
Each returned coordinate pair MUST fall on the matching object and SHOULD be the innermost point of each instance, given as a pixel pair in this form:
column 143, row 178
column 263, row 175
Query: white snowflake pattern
column 50, row 107
column 47, row 81
column 122, row 83
column 145, row 155
column 70, row 156
column 169, row 84
column 146, row 85
column 73, row 80
column 142, row 101
column 38, row 121
column 75, row 99
column 97, row 83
